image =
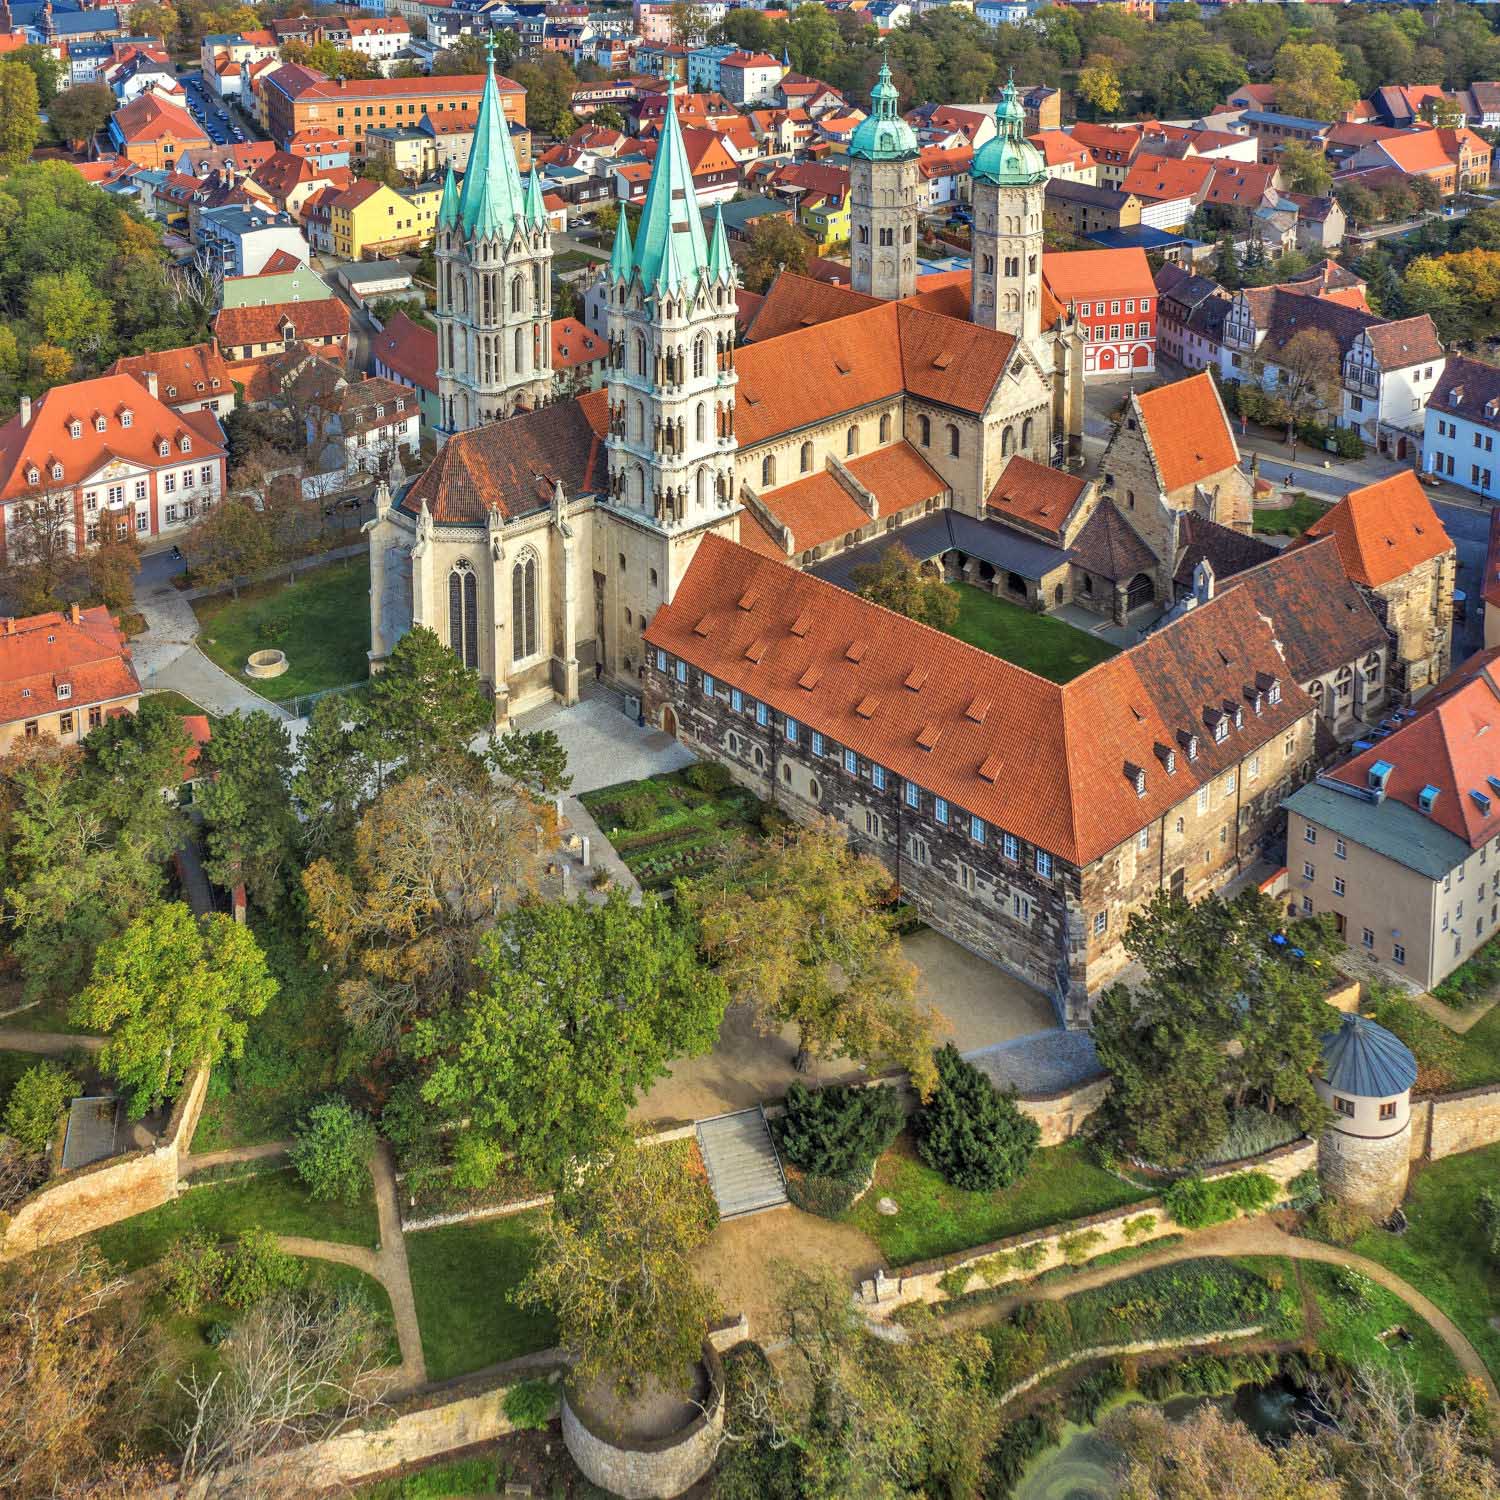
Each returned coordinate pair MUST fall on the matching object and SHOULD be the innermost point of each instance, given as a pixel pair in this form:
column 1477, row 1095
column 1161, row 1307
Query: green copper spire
column 448, row 207
column 492, row 199
column 670, row 245
column 536, row 210
column 883, row 135
column 621, row 257
column 720, row 266
column 1008, row 159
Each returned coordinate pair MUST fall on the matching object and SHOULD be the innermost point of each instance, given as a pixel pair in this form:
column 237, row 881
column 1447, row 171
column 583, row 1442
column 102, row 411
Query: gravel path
column 49, row 1043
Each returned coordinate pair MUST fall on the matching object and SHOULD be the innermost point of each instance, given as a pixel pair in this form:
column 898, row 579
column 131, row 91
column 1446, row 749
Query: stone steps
column 743, row 1168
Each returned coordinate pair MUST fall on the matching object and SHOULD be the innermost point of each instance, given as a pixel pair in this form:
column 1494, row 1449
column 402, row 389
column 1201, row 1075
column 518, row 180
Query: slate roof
column 1226, row 550
column 1468, row 386
column 1366, row 1060
column 1109, row 546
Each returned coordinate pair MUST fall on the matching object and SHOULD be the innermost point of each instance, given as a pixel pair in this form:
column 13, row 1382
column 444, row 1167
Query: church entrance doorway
column 668, row 721
column 1139, row 592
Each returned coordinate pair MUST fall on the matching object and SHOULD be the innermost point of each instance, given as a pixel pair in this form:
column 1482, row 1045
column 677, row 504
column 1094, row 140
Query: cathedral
column 543, row 538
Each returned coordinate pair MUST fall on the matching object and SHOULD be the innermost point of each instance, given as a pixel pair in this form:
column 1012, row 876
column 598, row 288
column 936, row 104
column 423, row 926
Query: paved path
column 49, row 1043
column 1246, row 1237
column 387, row 1265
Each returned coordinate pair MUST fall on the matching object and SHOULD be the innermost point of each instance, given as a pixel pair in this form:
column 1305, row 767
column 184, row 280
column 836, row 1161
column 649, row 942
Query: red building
column 1112, row 295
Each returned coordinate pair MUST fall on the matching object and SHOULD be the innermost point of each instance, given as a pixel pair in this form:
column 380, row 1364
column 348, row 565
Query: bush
column 970, row 1132
column 1195, row 1203
column 530, row 1404
column 838, row 1131
column 1134, row 1228
column 1353, row 1286
column 636, row 810
column 1487, row 1211
column 333, row 1150
column 257, row 1268
column 1337, row 1223
column 476, row 1161
column 1304, row 1190
column 193, row 1271
column 1075, row 1247
column 37, row 1099
column 827, row 1197
column 708, row 776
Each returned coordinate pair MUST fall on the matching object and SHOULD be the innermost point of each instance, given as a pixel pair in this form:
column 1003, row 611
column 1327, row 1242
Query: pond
column 1085, row 1464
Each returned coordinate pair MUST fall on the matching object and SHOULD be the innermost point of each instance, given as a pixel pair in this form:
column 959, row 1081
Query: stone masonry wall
column 105, row 1192
column 1368, row 1174
column 1458, row 1122
column 1417, row 612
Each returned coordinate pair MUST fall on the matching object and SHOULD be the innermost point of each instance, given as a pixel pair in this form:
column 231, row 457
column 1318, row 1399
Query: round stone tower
column 1364, row 1155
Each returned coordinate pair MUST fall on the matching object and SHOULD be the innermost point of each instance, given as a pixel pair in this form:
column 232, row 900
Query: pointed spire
column 622, row 257
column 720, row 266
column 671, row 230
column 448, row 206
column 536, row 210
column 492, row 199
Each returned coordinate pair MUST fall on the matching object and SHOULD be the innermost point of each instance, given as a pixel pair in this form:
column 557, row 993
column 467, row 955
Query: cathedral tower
column 494, row 276
column 1010, row 183
column 883, row 197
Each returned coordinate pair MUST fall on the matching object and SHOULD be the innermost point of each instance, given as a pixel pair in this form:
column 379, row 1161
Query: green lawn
column 1443, row 1252
column 936, row 1219
column 462, row 1478
column 1479, row 1053
column 176, row 701
column 1350, row 1329
column 269, row 1200
column 322, row 622
column 1050, row 648
column 461, row 1275
column 1292, row 521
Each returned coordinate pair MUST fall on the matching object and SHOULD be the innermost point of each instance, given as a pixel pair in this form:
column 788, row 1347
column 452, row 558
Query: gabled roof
column 795, row 301
column 410, row 350
column 238, row 326
column 152, row 118
column 1076, row 275
column 1469, row 387
column 1384, row 529
column 1406, row 341
column 574, row 345
column 1067, row 785
column 193, row 373
column 1109, row 546
column 82, row 650
column 1163, row 178
column 1035, row 495
column 1058, row 147
column 1187, row 429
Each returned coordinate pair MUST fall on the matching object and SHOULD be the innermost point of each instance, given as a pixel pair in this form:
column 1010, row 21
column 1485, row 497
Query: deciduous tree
column 1099, row 87
column 579, row 1009
column 20, row 113
column 1310, row 374
column 776, row 245
column 1305, row 170
column 170, row 992
column 801, row 931
column 900, row 583
column 79, row 114
column 1310, row 81
column 425, row 706
column 36, row 1104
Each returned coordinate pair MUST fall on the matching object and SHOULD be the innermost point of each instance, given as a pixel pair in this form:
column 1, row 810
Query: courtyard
column 1040, row 643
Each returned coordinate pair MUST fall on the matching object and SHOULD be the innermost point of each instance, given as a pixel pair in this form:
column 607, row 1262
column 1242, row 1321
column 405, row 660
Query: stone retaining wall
column 104, row 1192
column 1456, row 1122
column 923, row 1282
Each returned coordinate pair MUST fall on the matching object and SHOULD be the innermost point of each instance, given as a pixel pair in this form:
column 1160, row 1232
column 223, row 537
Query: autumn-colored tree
column 911, row 588
column 1305, row 169
column 776, row 245
column 615, row 1266
column 801, row 930
column 1310, row 81
column 111, row 569
column 170, row 992
column 1310, row 371
column 437, row 858
column 228, row 542
column 67, row 310
column 158, row 19
column 41, row 548
column 1099, row 87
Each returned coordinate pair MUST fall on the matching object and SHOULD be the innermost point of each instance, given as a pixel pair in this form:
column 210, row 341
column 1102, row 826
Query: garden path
column 1458, row 1021
column 387, row 1265
column 203, row 1160
column 49, row 1043
column 1245, row 1237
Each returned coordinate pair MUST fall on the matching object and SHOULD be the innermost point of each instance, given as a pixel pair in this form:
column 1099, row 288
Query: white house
column 1462, row 425
column 362, row 427
column 749, row 78
column 241, row 240
column 1390, row 372
column 380, row 38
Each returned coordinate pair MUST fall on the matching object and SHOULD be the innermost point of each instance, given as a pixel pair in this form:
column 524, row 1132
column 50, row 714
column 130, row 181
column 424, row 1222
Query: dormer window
column 65, row 690
column 1239, row 717
column 75, row 428
column 99, row 424
column 1221, row 728
column 379, row 413
column 163, row 448
column 185, row 443
column 171, row 391
column 1192, row 747
column 1274, row 694
column 127, row 417
column 33, row 476
column 57, row 471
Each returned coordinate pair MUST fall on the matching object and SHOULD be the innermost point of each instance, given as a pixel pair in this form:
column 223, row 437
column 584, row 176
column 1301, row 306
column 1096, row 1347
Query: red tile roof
column 1035, row 495
column 1058, row 147
column 1384, row 529
column 1188, row 430
column 409, row 350
column 944, row 714
column 1162, row 178
column 236, row 327
column 795, row 302
column 196, row 372
column 573, row 345
column 152, row 118
column 81, row 651
column 1073, row 275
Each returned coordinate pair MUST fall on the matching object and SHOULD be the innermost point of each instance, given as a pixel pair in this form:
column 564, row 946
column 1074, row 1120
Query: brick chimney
column 10, row 624
column 25, row 411
column 74, row 615
column 151, row 383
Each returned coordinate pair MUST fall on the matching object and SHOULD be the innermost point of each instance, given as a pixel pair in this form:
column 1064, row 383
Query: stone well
column 266, row 664
column 649, row 1468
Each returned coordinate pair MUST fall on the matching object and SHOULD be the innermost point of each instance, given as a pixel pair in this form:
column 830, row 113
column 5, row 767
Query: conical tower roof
column 720, row 264
column 883, row 135
column 670, row 238
column 536, row 210
column 1008, row 158
column 492, row 199
column 1365, row 1059
column 621, row 257
column 448, row 205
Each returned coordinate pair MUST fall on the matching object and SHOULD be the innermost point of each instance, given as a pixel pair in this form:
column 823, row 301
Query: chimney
column 73, row 614
column 25, row 411
column 151, row 383
column 10, row 624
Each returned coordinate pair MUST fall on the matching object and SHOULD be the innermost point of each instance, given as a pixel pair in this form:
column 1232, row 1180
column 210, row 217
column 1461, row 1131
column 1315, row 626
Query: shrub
column 1134, row 1228
column 193, row 1271
column 1487, row 1211
column 1434, row 1046
column 708, row 776
column 476, row 1160
column 1336, row 1222
column 1075, row 1247
column 333, row 1150
column 827, row 1197
column 994, row 1268
column 1029, row 1257
column 838, row 1131
column 1466, row 1394
column 970, row 1132
column 257, row 1268
column 1304, row 1190
column 38, row 1097
column 530, row 1404
column 1196, row 1203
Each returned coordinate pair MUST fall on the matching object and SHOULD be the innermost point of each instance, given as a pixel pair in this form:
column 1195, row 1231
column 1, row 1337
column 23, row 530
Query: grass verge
column 935, row 1218
column 461, row 1277
column 1478, row 1060
column 1292, row 521
column 1051, row 648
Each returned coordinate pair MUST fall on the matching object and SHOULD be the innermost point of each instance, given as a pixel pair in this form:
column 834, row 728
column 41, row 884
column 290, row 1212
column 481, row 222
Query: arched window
column 1371, row 667
column 924, row 430
column 1026, row 427
column 700, row 421
column 768, row 471
column 851, row 441
column 463, row 613
column 807, row 458
column 885, row 427
column 517, row 293
column 640, row 354
column 700, row 486
column 952, row 440
column 700, row 355
column 523, row 607
column 1007, row 442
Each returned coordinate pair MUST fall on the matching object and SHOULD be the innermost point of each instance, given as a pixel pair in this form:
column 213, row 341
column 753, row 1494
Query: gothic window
column 640, row 422
column 520, row 351
column 1026, row 435
column 906, row 235
column 700, row 356
column 807, row 458
column 700, row 482
column 768, row 471
column 864, row 234
column 953, row 440
column 1012, row 265
column 700, row 417
column 885, row 427
column 640, row 354
column 1008, row 442
column 523, row 607
column 851, row 442
column 463, row 613
column 989, row 264
column 887, row 236
column 536, row 286
column 924, row 429
column 517, row 293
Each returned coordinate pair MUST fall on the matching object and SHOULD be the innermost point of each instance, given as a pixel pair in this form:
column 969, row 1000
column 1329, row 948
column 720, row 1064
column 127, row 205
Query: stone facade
column 1457, row 1122
column 1417, row 612
column 1367, row 1173
column 1007, row 286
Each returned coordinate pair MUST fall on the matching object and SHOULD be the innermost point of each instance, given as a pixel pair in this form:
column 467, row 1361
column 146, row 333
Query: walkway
column 48, row 1043
column 206, row 1159
column 387, row 1265
column 1245, row 1237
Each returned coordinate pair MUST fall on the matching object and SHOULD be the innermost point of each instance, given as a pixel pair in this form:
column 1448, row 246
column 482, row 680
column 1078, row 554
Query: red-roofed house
column 749, row 77
column 406, row 353
column 1169, row 188
column 105, row 459
column 1067, row 158
column 1449, row 159
column 1112, row 295
column 253, row 333
column 152, row 132
column 193, row 378
column 578, row 357
column 63, row 675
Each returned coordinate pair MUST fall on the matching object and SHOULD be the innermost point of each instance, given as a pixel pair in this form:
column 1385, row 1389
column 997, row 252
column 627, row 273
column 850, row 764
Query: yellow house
column 826, row 219
column 370, row 219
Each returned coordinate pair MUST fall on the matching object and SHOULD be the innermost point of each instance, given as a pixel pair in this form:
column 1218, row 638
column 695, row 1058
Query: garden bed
column 1473, row 981
column 1059, row 1184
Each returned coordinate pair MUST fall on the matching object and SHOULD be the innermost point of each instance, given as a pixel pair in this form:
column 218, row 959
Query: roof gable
column 1384, row 529
column 1187, row 429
